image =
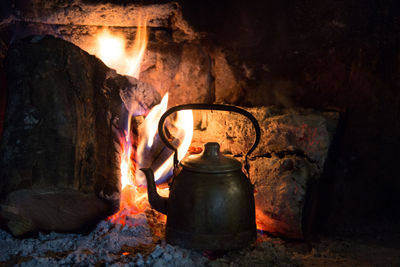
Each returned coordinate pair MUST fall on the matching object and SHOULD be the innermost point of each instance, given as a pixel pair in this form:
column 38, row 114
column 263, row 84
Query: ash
column 138, row 243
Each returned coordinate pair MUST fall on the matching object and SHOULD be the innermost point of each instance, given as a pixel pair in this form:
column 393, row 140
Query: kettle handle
column 208, row 107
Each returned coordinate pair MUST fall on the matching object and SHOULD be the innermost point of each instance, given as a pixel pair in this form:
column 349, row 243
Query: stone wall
column 285, row 167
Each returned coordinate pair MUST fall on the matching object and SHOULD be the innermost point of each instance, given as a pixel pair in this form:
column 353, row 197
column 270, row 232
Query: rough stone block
column 227, row 88
column 286, row 165
column 282, row 188
column 182, row 70
column 301, row 131
column 85, row 13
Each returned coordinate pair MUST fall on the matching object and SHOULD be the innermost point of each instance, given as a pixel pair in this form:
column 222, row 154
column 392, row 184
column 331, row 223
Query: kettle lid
column 211, row 160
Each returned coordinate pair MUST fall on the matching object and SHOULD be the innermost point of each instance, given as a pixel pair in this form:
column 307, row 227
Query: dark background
column 325, row 54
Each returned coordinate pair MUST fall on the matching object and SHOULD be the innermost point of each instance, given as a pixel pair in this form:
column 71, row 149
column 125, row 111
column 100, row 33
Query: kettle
column 211, row 201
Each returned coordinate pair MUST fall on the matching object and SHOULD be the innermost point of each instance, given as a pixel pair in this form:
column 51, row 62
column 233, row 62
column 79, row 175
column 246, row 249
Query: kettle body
column 211, row 201
column 211, row 210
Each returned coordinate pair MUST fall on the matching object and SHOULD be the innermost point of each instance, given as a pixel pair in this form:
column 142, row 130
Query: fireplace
column 322, row 90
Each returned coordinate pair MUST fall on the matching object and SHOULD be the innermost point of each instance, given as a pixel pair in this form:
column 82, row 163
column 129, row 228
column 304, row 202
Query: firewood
column 62, row 130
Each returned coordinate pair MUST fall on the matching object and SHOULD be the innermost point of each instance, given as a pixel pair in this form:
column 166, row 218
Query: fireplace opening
column 84, row 84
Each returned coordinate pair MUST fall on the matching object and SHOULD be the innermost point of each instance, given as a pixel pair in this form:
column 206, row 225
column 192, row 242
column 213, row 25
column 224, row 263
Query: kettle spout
column 157, row 202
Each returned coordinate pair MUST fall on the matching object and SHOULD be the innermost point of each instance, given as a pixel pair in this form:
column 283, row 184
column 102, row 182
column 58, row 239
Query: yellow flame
column 139, row 49
column 147, row 135
column 126, row 166
column 184, row 125
column 151, row 124
column 111, row 49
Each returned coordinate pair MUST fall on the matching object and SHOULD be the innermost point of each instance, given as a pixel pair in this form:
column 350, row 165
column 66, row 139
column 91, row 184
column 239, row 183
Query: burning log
column 61, row 134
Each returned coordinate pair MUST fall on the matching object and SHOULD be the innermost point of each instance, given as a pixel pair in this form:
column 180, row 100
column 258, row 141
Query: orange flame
column 111, row 49
column 148, row 130
column 133, row 196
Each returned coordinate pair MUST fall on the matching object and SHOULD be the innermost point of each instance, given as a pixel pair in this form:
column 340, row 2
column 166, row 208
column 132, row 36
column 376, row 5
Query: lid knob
column 211, row 160
column 211, row 149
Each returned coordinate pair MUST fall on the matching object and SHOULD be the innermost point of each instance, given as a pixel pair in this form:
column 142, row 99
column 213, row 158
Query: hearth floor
column 141, row 243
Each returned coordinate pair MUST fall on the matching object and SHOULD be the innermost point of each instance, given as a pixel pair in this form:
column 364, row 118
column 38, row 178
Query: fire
column 151, row 143
column 151, row 123
column 111, row 48
column 133, row 198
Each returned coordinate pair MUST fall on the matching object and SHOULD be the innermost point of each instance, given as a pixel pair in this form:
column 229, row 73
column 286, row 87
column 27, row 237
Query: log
column 62, row 128
column 52, row 210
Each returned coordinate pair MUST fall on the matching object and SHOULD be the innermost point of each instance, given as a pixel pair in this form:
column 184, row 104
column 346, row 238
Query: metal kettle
column 211, row 201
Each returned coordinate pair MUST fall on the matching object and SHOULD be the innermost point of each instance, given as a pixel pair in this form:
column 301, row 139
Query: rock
column 167, row 256
column 282, row 186
column 192, row 82
column 286, row 165
column 227, row 88
column 62, row 123
column 86, row 13
column 80, row 21
column 282, row 130
column 157, row 252
column 182, row 70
